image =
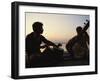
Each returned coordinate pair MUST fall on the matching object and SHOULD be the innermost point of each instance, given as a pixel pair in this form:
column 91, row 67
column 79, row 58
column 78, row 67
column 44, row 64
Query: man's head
column 79, row 30
column 37, row 27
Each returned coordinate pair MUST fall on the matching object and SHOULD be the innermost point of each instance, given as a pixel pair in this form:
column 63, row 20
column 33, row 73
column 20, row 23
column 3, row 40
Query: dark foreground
column 57, row 60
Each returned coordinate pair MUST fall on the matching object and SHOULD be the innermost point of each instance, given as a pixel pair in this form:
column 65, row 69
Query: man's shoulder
column 74, row 38
column 42, row 37
column 30, row 35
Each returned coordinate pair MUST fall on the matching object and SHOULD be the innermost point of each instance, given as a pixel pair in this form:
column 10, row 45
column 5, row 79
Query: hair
column 79, row 28
column 36, row 26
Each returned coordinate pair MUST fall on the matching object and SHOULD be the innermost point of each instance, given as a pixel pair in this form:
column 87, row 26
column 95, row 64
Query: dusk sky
column 57, row 27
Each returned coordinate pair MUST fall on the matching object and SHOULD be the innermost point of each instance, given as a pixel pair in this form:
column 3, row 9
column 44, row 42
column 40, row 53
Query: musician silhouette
column 34, row 40
column 78, row 45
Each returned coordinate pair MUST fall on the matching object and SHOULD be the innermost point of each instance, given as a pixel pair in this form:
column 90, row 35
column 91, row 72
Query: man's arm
column 42, row 47
column 47, row 42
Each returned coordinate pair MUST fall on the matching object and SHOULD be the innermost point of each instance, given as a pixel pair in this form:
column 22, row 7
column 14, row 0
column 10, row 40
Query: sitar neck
column 86, row 25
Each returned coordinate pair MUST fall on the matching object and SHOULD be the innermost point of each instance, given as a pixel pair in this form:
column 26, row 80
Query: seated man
column 78, row 45
column 34, row 40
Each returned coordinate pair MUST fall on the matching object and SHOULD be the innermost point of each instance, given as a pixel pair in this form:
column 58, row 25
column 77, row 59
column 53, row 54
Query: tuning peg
column 87, row 20
column 85, row 23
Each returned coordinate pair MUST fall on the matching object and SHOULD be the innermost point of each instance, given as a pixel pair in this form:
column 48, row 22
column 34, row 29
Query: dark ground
column 57, row 61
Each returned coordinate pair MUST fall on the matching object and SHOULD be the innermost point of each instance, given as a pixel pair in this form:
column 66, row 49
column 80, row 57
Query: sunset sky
column 57, row 27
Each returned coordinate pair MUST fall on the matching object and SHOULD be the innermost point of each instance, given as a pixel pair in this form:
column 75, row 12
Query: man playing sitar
column 78, row 45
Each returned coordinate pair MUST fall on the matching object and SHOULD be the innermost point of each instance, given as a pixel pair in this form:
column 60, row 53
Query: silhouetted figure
column 78, row 45
column 33, row 43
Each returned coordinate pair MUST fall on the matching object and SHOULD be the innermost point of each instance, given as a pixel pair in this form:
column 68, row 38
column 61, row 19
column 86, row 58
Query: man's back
column 33, row 43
